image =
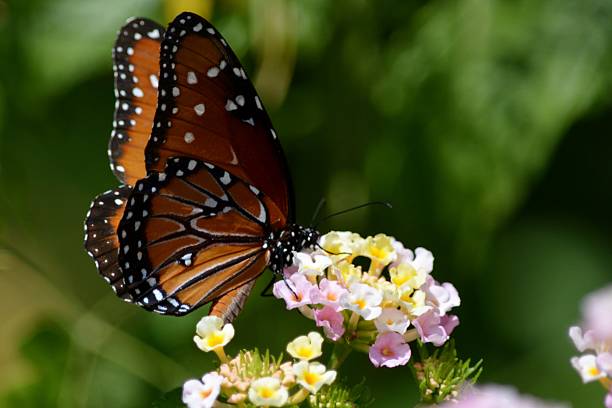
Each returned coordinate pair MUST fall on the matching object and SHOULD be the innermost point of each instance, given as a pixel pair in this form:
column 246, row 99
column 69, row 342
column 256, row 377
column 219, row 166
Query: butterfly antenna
column 385, row 203
column 314, row 221
column 332, row 253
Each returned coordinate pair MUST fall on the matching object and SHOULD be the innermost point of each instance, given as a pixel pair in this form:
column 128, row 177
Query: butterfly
column 206, row 201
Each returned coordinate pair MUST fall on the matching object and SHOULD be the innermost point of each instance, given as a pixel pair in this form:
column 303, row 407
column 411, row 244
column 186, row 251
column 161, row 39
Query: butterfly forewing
column 209, row 110
column 136, row 66
column 191, row 234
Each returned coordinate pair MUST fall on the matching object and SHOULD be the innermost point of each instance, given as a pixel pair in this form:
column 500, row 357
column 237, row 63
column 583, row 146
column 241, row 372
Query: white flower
column 202, row 394
column 363, row 299
column 392, row 319
column 341, row 242
column 406, row 277
column 311, row 265
column 586, row 366
column 414, row 302
column 312, row 376
column 379, row 248
column 268, row 391
column 212, row 334
column 347, row 273
column 306, row 347
column 583, row 341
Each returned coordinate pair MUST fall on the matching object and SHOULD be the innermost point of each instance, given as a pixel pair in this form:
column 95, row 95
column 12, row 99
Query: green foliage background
column 487, row 124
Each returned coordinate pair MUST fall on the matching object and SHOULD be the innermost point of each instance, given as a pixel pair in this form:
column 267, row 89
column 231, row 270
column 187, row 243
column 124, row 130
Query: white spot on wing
column 226, row 178
column 138, row 92
column 191, row 78
column 199, row 109
column 197, row 27
column 212, row 72
column 230, row 105
column 154, row 80
column 189, row 137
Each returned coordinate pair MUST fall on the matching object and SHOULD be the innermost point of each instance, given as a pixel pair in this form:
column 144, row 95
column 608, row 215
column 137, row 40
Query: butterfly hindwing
column 209, row 110
column 101, row 241
column 228, row 306
column 191, row 234
column 136, row 66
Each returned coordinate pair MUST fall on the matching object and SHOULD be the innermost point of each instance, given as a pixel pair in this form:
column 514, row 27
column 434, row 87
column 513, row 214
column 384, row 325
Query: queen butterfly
column 207, row 202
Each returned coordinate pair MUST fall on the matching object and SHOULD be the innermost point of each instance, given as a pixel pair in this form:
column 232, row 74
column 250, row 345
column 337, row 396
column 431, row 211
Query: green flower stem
column 353, row 321
column 221, row 354
column 366, row 334
column 411, row 335
column 366, row 325
column 360, row 346
column 339, row 354
column 298, row 397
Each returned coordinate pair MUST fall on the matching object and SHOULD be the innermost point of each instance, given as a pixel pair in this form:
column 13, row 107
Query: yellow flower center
column 204, row 394
column 311, row 378
column 361, row 303
column 332, row 297
column 304, row 351
column 387, row 352
column 402, row 274
column 215, row 339
column 379, row 253
column 389, row 322
column 593, row 371
column 266, row 392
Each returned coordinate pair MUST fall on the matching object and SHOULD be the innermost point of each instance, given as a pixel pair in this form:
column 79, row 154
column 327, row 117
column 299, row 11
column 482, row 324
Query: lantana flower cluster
column 377, row 308
column 593, row 338
column 252, row 378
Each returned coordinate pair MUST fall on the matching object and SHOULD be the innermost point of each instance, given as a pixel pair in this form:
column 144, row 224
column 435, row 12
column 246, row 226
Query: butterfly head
column 283, row 243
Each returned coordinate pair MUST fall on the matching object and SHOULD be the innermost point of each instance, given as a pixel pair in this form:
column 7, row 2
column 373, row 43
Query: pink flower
column 290, row 270
column 329, row 293
column 608, row 400
column 597, row 309
column 499, row 397
column 299, row 293
column 331, row 321
column 434, row 328
column 604, row 363
column 389, row 350
column 443, row 296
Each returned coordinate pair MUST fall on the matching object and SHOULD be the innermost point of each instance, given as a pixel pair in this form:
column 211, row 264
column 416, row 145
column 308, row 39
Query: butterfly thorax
column 283, row 243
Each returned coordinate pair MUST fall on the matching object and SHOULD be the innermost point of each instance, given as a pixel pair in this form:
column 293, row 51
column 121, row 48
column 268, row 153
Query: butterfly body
column 208, row 202
column 282, row 243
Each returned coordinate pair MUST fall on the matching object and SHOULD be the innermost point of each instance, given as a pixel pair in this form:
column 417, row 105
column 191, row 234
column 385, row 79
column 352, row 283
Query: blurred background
column 487, row 124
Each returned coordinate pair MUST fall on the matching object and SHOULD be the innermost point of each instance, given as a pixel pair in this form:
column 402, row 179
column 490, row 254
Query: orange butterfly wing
column 209, row 110
column 192, row 234
column 136, row 66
